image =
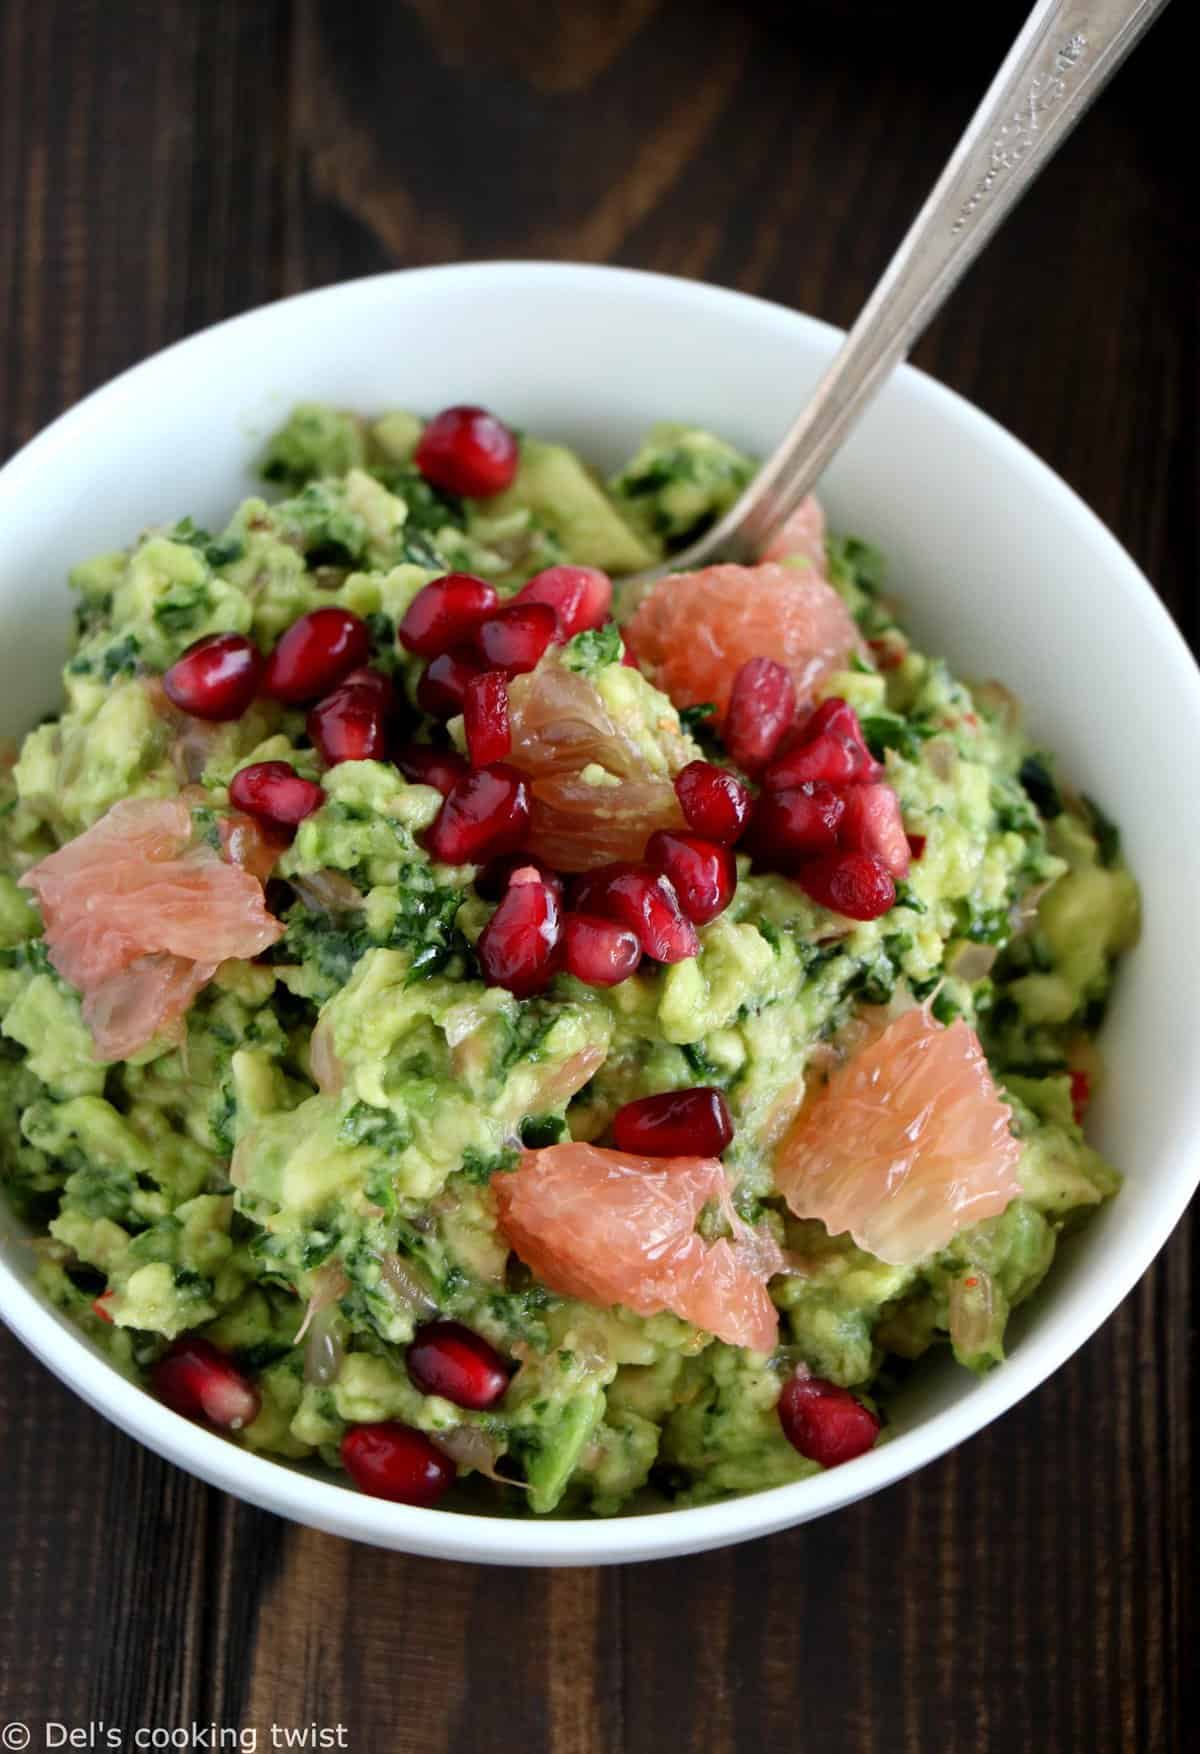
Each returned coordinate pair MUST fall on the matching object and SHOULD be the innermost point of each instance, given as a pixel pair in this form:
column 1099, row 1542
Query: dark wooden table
column 164, row 163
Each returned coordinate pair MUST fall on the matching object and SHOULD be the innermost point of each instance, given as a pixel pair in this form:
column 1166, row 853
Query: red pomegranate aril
column 580, row 596
column 485, row 718
column 798, row 823
column 829, row 748
column 348, row 726
column 824, row 1422
column 916, row 846
column 452, row 1361
column 216, row 678
column 445, row 613
column 377, row 681
column 1081, row 1094
column 679, row 1123
column 599, row 952
column 195, row 1378
column 315, row 654
column 273, row 792
column 714, row 801
column 762, row 706
column 466, row 450
column 442, row 687
column 393, row 1461
column 702, row 872
column 514, row 638
column 856, row 885
column 426, row 766
column 872, row 824
column 484, row 814
column 495, row 878
column 518, row 948
column 643, row 900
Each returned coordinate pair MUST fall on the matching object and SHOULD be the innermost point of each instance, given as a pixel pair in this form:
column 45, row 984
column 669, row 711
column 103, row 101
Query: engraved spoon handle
column 1064, row 56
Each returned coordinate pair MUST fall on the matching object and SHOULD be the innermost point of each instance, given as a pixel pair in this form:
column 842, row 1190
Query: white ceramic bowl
column 1004, row 569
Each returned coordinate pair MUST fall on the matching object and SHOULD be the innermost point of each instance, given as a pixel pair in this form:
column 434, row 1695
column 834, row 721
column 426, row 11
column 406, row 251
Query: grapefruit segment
column 907, row 1144
column 694, row 631
column 801, row 538
column 561, row 726
column 610, row 1227
column 137, row 919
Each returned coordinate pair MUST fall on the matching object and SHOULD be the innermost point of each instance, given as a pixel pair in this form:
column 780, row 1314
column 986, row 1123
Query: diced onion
column 329, row 892
column 972, row 962
column 325, row 1348
column 942, row 757
column 406, row 1286
column 329, row 1284
column 972, row 1311
column 469, row 1447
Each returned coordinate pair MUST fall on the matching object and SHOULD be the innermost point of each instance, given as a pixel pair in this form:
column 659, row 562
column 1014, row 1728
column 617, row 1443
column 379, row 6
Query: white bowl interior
column 1004, row 570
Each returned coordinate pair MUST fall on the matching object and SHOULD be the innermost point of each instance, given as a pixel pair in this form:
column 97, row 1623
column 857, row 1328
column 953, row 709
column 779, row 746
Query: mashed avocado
column 224, row 1184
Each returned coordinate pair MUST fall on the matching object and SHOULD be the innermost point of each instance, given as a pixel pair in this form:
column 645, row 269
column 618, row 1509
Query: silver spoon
column 1063, row 58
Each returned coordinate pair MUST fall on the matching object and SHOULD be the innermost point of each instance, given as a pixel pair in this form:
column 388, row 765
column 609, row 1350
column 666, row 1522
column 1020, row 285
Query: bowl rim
column 331, row 1506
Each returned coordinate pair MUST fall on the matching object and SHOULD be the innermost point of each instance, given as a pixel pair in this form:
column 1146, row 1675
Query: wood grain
column 164, row 165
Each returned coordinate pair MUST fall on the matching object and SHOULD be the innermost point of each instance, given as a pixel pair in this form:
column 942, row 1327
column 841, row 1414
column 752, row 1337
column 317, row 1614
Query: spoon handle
column 1064, row 56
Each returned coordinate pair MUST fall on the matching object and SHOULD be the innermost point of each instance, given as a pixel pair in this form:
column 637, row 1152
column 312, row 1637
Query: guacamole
column 293, row 1211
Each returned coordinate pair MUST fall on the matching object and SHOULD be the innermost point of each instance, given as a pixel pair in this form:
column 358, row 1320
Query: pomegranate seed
column 1081, row 1095
column 315, row 654
column 857, row 885
column 518, row 948
column 714, row 801
column 762, row 705
column 448, row 1359
column 872, row 824
column 274, row 792
column 679, row 1123
column 824, row 1422
column 597, row 951
column 379, row 683
column 348, row 726
column 796, row 824
column 445, row 613
column 390, row 1460
column 916, row 846
column 468, row 451
column 702, row 872
column 580, row 596
column 495, row 878
column 426, row 766
column 216, row 678
column 514, row 638
column 486, row 813
column 485, row 714
column 643, row 900
column 829, row 748
column 195, row 1378
column 443, row 684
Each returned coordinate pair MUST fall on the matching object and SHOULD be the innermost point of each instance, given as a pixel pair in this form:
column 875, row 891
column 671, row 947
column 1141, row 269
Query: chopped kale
column 594, row 649
column 379, row 1127
column 478, row 1167
column 1108, row 835
column 855, row 562
column 693, row 717
column 538, row 1131
column 885, row 731
column 1038, row 781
